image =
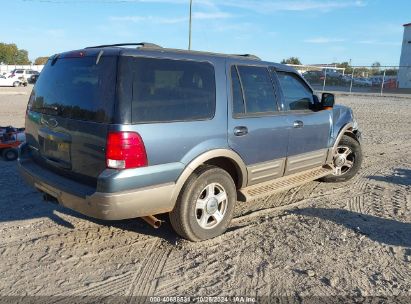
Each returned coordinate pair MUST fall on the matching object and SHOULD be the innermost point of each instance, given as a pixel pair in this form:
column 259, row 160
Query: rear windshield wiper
column 53, row 61
column 54, row 109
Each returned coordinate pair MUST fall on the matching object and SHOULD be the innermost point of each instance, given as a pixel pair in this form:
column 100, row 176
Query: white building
column 404, row 73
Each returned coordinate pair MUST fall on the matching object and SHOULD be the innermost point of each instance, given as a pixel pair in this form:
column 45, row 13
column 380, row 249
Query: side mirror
column 327, row 100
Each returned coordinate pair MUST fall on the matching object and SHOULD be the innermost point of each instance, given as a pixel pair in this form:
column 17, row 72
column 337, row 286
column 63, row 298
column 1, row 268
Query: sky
column 315, row 31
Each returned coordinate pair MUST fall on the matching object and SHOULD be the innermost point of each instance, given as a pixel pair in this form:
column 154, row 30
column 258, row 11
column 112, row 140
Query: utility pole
column 189, row 26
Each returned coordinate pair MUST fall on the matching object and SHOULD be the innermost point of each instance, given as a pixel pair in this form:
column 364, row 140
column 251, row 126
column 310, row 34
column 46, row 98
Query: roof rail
column 141, row 44
column 250, row 56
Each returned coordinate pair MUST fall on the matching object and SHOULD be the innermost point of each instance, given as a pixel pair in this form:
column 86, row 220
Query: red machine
column 10, row 139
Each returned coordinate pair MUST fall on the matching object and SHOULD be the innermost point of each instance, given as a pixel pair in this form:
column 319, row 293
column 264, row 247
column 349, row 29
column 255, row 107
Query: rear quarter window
column 165, row 90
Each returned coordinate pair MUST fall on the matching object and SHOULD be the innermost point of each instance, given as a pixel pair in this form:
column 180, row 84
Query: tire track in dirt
column 116, row 285
column 356, row 204
column 144, row 282
column 206, row 258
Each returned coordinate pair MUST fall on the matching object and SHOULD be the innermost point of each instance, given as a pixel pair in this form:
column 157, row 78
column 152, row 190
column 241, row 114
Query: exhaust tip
column 152, row 221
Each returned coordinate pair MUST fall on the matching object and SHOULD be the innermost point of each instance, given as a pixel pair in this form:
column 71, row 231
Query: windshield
column 77, row 88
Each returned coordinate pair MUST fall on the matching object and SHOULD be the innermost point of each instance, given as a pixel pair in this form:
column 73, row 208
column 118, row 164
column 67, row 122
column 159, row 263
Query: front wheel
column 347, row 160
column 205, row 205
column 16, row 84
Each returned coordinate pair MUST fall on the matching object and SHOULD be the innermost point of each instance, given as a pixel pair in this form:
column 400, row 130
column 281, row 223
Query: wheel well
column 228, row 165
column 351, row 134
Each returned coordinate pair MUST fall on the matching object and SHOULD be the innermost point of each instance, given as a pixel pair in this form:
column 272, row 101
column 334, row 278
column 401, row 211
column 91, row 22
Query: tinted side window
column 297, row 96
column 258, row 89
column 163, row 90
column 238, row 100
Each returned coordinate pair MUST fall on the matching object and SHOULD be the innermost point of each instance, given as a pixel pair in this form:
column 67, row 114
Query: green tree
column 10, row 54
column 346, row 66
column 291, row 60
column 391, row 72
column 41, row 60
column 22, row 57
column 376, row 65
column 375, row 70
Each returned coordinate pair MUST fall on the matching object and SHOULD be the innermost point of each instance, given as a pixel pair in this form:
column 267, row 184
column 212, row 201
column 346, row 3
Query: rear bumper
column 107, row 206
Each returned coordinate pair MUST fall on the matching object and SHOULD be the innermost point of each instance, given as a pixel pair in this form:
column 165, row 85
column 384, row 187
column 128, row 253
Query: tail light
column 125, row 150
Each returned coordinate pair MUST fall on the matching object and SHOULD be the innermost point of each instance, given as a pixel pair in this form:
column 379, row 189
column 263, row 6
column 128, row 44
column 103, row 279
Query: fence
column 9, row 68
column 358, row 79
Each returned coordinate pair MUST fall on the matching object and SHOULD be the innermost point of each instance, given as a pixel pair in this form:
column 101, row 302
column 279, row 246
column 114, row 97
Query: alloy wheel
column 343, row 160
column 211, row 206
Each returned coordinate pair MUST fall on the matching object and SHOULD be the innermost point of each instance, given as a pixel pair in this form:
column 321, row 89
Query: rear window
column 77, row 88
column 164, row 90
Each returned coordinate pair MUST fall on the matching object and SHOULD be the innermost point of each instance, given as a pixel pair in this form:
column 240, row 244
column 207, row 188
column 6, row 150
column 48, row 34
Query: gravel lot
column 349, row 239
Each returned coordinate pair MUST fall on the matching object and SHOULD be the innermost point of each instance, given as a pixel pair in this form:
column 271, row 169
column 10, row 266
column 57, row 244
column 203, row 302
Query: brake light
column 125, row 150
column 74, row 55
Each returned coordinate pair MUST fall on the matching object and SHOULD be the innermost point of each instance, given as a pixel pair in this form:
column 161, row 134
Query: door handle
column 298, row 124
column 240, row 131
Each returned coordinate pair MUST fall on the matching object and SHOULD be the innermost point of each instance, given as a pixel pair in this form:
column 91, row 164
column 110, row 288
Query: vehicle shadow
column 19, row 202
column 386, row 231
column 138, row 225
column 399, row 177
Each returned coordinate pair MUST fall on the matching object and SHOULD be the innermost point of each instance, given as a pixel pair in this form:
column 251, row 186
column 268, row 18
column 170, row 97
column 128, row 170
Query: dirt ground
column 349, row 239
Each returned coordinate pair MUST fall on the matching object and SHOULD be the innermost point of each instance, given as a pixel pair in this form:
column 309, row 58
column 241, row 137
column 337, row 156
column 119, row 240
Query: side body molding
column 201, row 159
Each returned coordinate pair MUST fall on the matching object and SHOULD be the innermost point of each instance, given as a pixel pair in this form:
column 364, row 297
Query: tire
column 193, row 217
column 10, row 154
column 355, row 157
column 16, row 84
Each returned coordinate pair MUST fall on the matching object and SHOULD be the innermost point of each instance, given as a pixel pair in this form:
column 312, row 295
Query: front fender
column 343, row 120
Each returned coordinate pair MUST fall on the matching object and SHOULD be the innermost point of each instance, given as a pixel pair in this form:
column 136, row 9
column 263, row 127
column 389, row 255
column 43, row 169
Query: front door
column 308, row 137
column 257, row 130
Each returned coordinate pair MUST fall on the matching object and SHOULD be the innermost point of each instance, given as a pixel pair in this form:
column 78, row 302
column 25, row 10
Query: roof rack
column 141, row 44
column 250, row 56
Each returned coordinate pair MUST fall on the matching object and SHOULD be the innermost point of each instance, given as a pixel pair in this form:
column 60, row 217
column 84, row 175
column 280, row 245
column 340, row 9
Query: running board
column 281, row 184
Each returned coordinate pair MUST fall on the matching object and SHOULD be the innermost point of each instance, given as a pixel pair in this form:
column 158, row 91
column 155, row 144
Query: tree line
column 11, row 54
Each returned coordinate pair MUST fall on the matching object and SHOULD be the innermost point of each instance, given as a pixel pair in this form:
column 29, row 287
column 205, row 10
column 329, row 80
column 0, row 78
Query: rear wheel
column 16, row 84
column 205, row 205
column 10, row 154
column 347, row 160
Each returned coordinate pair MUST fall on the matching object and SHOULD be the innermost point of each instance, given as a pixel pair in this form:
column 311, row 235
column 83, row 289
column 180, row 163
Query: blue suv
column 115, row 132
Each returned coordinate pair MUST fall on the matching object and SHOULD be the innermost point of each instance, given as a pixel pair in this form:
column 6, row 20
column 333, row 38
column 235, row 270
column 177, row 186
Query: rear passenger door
column 257, row 130
column 308, row 137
